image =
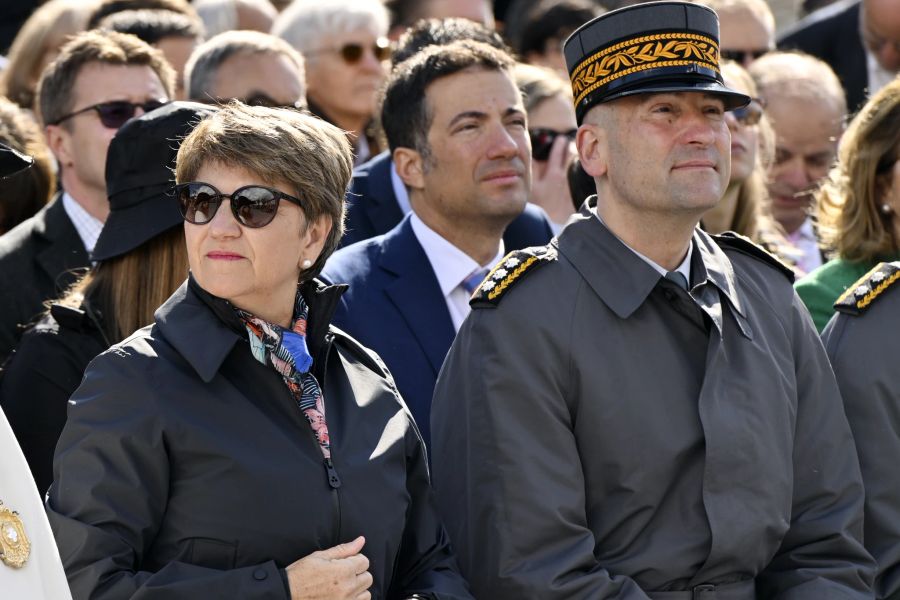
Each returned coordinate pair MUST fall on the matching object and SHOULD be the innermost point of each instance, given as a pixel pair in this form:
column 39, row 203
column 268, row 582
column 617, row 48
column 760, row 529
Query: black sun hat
column 12, row 161
column 647, row 48
column 140, row 174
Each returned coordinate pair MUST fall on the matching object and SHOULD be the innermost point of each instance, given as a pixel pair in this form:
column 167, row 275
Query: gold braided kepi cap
column 647, row 48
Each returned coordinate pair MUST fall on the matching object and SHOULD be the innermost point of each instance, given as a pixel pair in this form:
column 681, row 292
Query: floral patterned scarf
column 285, row 350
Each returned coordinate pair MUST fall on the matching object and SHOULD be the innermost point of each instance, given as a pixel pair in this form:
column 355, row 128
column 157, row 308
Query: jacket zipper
column 334, row 480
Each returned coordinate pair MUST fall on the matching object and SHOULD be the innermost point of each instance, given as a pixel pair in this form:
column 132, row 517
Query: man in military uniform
column 641, row 410
column 862, row 343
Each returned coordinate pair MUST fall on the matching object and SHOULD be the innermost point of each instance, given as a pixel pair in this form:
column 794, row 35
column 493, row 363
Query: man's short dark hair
column 440, row 32
column 405, row 114
column 153, row 25
column 552, row 20
column 109, row 7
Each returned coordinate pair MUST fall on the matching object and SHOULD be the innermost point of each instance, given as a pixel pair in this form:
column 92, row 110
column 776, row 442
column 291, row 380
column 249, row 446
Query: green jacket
column 821, row 288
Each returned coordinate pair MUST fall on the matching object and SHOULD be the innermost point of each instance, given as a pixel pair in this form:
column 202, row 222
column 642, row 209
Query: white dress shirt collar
column 86, row 225
column 451, row 267
column 400, row 191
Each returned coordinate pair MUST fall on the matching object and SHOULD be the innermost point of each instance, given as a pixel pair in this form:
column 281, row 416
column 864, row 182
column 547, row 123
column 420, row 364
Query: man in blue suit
column 458, row 135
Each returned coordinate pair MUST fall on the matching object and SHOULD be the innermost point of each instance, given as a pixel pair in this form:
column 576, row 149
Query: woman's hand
column 338, row 573
column 549, row 184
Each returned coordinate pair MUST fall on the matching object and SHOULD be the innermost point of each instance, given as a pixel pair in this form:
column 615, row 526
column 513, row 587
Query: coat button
column 260, row 574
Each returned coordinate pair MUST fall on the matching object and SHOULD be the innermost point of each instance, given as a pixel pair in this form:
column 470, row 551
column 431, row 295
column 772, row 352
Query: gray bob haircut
column 201, row 67
column 305, row 23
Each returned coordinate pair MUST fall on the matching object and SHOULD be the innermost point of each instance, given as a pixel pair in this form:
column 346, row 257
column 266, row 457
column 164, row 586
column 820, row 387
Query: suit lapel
column 381, row 208
column 416, row 293
column 63, row 251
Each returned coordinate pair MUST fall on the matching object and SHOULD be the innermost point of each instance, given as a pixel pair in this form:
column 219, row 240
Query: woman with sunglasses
column 858, row 205
column 346, row 48
column 743, row 208
column 140, row 260
column 241, row 447
column 551, row 127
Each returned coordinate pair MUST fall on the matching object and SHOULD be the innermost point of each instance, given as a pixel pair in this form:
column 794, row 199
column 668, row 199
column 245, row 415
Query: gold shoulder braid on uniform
column 743, row 244
column 14, row 544
column 508, row 271
column 861, row 294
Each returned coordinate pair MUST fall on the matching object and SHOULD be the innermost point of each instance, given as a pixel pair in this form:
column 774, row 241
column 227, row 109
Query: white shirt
column 684, row 268
column 451, row 267
column 86, row 225
column 400, row 191
column 878, row 77
column 807, row 244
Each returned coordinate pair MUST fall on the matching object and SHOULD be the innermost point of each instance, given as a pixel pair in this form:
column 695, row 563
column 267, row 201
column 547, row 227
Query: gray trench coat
column 599, row 432
column 863, row 346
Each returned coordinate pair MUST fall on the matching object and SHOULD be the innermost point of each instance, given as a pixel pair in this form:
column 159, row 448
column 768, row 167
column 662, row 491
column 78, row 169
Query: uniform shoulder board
column 867, row 288
column 743, row 244
column 508, row 271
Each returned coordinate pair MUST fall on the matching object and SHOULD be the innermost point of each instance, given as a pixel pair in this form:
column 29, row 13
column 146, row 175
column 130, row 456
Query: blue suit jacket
column 372, row 210
column 395, row 307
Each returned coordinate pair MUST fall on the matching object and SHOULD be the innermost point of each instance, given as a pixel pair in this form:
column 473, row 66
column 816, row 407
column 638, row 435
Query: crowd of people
column 449, row 299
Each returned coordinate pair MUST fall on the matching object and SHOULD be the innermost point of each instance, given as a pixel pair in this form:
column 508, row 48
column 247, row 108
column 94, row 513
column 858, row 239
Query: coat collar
column 63, row 249
column 204, row 328
column 600, row 257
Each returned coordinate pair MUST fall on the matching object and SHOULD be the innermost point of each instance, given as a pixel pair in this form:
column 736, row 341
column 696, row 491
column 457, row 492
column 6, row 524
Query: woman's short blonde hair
column 278, row 145
column 850, row 212
column 45, row 31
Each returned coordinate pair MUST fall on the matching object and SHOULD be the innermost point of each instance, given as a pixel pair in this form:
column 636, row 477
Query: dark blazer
column 372, row 210
column 39, row 259
column 394, row 306
column 186, row 469
column 832, row 34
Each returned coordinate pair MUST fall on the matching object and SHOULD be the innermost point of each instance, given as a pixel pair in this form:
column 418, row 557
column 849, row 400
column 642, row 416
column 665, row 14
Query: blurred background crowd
column 815, row 159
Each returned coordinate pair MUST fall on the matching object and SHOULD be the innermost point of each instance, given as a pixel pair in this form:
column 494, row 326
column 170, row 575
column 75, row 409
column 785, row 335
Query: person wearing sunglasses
column 240, row 446
column 100, row 80
column 346, row 49
column 256, row 68
column 551, row 130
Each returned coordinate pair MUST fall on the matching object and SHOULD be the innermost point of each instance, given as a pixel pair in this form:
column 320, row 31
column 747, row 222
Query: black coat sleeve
column 108, row 500
column 822, row 555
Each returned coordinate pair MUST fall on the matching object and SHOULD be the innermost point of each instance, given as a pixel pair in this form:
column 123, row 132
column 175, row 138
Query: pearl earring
column 306, row 263
column 886, row 209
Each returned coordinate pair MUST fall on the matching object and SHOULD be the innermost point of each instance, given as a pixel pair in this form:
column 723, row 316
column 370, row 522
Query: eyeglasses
column 352, row 53
column 749, row 115
column 252, row 205
column 542, row 141
column 742, row 57
column 116, row 113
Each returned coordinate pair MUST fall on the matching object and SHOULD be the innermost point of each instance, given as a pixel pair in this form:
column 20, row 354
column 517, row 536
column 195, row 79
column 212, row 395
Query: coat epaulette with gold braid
column 861, row 294
column 744, row 244
column 510, row 270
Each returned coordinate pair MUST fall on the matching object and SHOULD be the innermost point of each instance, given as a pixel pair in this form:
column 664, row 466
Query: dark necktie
column 677, row 278
column 474, row 280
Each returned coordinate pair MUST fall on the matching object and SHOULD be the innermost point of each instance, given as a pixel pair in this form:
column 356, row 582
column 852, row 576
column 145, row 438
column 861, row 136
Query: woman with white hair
column 345, row 46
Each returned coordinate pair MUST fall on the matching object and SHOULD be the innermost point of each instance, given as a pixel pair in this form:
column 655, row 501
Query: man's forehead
column 469, row 96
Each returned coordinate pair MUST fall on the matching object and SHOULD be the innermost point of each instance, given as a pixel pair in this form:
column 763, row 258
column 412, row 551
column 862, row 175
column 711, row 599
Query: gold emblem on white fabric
column 14, row 545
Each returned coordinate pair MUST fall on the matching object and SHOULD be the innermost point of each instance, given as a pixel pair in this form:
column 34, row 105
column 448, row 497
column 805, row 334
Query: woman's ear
column 315, row 237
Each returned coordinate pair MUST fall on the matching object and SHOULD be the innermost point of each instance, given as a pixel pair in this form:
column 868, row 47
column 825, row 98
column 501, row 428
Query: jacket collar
column 600, row 257
column 204, row 328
